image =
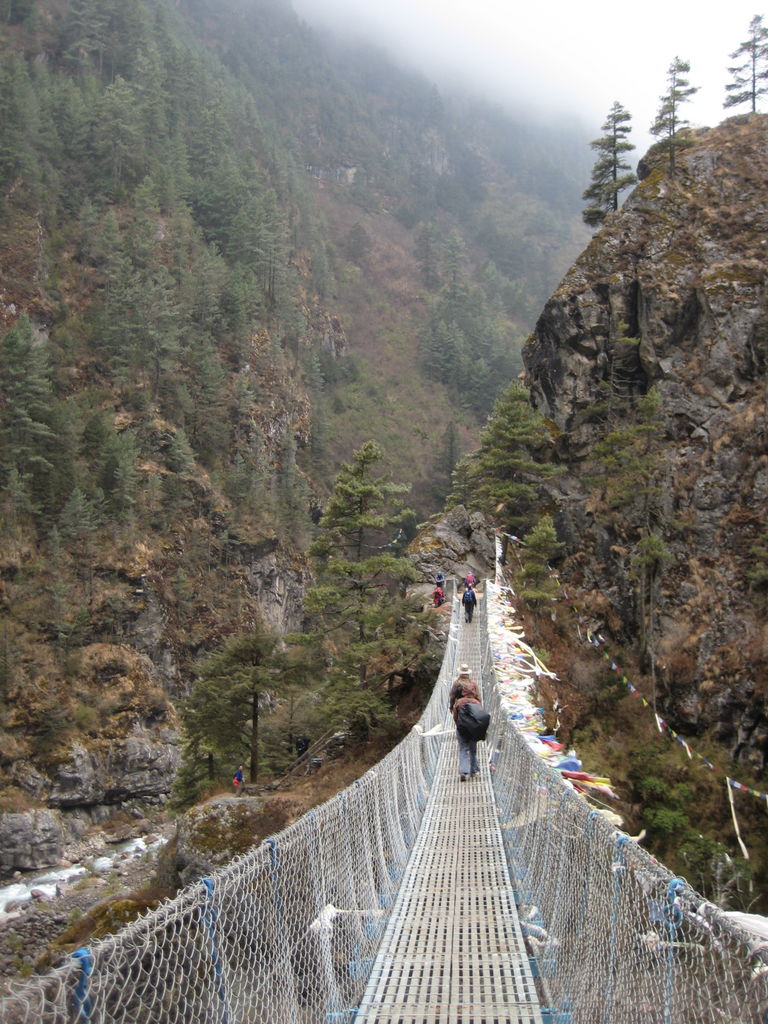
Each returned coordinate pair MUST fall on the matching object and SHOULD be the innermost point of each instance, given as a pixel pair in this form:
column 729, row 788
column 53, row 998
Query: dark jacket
column 469, row 596
column 469, row 695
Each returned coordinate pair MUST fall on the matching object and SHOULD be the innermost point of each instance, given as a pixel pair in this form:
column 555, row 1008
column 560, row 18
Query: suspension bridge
column 413, row 898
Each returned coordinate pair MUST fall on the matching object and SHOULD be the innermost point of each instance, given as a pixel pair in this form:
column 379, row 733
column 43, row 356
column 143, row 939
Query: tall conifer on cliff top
column 611, row 174
column 750, row 78
column 668, row 123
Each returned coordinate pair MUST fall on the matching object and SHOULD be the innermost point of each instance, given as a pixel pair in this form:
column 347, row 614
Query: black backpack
column 472, row 721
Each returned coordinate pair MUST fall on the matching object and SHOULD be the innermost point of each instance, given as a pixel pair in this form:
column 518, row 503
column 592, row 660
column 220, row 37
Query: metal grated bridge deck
column 453, row 951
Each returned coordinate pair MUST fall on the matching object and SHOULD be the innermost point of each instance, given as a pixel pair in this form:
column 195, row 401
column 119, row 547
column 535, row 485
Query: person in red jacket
column 464, row 691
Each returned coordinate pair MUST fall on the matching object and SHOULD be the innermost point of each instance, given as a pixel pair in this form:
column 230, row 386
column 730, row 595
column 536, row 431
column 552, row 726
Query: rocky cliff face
column 113, row 727
column 671, row 295
column 454, row 544
column 90, row 727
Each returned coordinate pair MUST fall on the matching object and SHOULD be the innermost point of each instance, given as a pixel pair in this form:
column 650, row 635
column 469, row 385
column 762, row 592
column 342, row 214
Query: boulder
column 30, row 840
column 78, row 780
column 140, row 767
column 454, row 544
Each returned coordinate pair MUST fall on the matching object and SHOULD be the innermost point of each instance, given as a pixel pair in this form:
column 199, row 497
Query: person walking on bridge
column 469, row 600
column 464, row 691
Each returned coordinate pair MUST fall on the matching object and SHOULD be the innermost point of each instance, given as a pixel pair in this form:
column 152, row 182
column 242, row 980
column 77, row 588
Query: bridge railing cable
column 617, row 938
column 286, row 933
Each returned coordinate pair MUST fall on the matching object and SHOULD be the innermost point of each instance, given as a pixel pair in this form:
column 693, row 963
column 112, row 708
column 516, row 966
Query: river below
column 49, row 883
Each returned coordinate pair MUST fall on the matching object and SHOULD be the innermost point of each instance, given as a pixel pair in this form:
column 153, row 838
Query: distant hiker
column 440, row 580
column 302, row 745
column 464, row 691
column 438, row 597
column 469, row 579
column 237, row 779
column 469, row 600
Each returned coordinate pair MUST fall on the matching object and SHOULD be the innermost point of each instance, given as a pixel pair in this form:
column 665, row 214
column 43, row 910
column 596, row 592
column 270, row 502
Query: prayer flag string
column 664, row 726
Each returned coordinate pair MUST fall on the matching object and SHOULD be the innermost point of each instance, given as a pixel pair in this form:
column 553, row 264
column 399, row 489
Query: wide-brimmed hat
column 463, row 670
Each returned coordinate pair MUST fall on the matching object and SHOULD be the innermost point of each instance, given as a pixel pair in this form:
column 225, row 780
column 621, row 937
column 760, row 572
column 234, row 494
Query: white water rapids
column 50, row 881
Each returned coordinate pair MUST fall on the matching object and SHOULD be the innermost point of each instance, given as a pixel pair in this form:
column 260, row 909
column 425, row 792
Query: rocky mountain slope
column 663, row 505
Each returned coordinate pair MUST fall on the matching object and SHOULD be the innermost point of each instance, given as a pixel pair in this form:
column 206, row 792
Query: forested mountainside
column 649, row 363
column 362, row 203
column 230, row 252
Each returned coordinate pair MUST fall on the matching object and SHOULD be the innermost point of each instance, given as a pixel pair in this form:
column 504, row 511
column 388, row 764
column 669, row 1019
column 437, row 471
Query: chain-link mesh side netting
column 617, row 938
column 286, row 934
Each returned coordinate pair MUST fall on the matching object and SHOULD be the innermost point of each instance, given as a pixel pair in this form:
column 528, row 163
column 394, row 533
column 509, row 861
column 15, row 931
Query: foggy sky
column 562, row 56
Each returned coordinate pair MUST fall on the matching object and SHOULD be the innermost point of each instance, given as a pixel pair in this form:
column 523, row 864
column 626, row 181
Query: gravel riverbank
column 28, row 929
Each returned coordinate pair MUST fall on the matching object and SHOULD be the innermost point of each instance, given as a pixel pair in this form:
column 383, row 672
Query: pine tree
column 78, row 519
column 157, row 326
column 18, row 121
column 628, row 458
column 538, row 585
column 651, row 558
column 668, row 123
column 631, row 470
column 505, row 471
column 227, row 719
column 208, row 429
column 25, row 397
column 85, row 31
column 151, row 98
column 454, row 260
column 179, row 456
column 221, row 715
column 447, row 458
column 16, row 507
column 356, row 600
column 78, row 522
column 321, row 433
column 118, row 476
column 118, row 138
column 750, row 78
column 14, row 11
column 462, row 483
column 620, row 382
column 425, row 251
column 358, row 244
column 611, row 174
column 87, row 230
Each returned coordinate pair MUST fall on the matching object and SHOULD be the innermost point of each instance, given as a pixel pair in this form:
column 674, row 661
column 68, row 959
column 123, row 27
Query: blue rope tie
column 673, row 918
column 272, row 844
column 83, row 1002
column 210, row 915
